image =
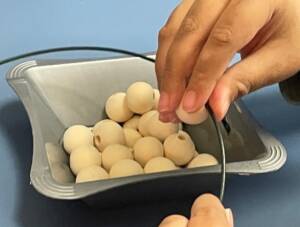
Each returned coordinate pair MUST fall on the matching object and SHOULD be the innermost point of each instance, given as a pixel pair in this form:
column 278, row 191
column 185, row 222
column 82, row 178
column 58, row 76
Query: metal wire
column 75, row 48
column 223, row 153
column 130, row 53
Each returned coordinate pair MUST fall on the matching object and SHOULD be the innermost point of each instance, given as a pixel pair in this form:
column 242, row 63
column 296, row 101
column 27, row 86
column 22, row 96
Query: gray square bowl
column 58, row 94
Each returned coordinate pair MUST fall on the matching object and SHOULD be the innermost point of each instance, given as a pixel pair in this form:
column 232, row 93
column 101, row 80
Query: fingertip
column 175, row 119
column 164, row 117
column 207, row 198
column 163, row 104
column 208, row 210
column 220, row 101
column 229, row 216
column 219, row 109
column 189, row 101
column 174, row 220
column 168, row 117
column 192, row 101
column 206, row 202
column 169, row 100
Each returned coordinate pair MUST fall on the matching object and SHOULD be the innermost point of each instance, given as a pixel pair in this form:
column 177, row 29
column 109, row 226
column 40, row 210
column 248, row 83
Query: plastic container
column 58, row 94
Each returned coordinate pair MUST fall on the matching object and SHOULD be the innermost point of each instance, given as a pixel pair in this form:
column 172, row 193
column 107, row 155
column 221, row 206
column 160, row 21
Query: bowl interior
column 75, row 93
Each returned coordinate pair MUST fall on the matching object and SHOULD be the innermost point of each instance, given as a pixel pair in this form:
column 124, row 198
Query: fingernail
column 163, row 117
column 189, row 101
column 163, row 105
column 175, row 119
column 229, row 216
column 168, row 117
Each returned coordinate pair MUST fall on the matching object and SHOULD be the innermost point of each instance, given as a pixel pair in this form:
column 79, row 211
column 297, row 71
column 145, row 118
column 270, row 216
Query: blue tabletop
column 263, row 200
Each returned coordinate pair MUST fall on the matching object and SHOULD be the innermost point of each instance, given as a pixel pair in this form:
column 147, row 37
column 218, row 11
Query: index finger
column 184, row 50
column 167, row 34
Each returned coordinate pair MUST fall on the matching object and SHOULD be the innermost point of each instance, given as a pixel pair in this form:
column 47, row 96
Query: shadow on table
column 35, row 210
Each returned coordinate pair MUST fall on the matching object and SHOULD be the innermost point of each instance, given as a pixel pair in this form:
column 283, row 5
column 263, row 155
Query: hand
column 199, row 40
column 207, row 211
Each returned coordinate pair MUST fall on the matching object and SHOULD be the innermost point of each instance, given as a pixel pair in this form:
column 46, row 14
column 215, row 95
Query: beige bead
column 131, row 136
column 186, row 135
column 124, row 168
column 100, row 123
column 108, row 132
column 114, row 153
column 83, row 157
column 192, row 118
column 156, row 98
column 132, row 122
column 91, row 173
column 117, row 109
column 143, row 122
column 196, row 153
column 159, row 164
column 76, row 136
column 202, row 160
column 179, row 148
column 159, row 129
column 140, row 97
column 147, row 148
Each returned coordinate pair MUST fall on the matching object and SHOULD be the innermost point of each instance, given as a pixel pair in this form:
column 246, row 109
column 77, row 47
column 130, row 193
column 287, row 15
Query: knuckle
column 205, row 58
column 165, row 32
column 198, row 76
column 189, row 25
column 222, row 35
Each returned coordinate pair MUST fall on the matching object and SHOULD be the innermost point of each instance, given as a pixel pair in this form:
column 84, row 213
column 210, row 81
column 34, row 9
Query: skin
column 206, row 211
column 195, row 47
column 199, row 40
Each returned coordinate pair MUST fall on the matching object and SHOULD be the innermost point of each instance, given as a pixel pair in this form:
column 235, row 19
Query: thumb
column 207, row 210
column 266, row 66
